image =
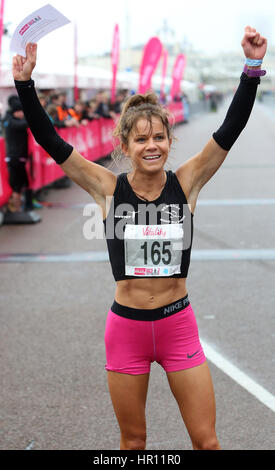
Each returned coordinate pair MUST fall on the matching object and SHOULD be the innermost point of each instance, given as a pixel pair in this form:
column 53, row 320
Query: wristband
column 253, row 73
column 253, row 62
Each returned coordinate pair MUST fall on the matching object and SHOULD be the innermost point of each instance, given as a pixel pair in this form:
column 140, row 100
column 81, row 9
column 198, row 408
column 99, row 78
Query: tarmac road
column 54, row 392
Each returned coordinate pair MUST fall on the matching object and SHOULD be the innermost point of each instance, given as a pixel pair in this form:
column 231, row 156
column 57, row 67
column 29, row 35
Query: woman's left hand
column 254, row 45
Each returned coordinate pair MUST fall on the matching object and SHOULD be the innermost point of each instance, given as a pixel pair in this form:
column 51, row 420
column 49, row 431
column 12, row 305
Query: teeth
column 153, row 157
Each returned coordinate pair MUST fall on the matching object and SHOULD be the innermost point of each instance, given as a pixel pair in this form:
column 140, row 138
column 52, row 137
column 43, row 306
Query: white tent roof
column 88, row 77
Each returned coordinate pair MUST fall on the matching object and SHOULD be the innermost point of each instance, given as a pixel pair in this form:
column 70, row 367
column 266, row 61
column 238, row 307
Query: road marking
column 102, row 256
column 233, row 254
column 93, row 256
column 30, row 446
column 238, row 376
column 236, row 202
column 201, row 202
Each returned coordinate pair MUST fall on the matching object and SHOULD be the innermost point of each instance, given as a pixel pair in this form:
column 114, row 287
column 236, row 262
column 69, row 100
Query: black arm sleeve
column 40, row 124
column 238, row 112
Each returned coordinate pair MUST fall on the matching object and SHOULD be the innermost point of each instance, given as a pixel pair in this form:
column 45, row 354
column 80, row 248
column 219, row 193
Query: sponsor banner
column 92, row 137
column 38, row 172
column 177, row 111
column 92, row 141
column 5, row 190
column 107, row 140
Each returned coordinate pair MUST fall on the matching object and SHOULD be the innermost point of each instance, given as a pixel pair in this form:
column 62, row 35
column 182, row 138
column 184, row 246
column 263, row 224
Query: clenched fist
column 254, row 45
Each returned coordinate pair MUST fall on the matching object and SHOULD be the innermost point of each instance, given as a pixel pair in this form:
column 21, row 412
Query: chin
column 154, row 166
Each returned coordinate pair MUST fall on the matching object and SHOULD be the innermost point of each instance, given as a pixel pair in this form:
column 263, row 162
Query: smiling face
column 148, row 145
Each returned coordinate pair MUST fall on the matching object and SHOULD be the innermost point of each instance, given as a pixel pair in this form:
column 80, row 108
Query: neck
column 147, row 186
column 146, row 182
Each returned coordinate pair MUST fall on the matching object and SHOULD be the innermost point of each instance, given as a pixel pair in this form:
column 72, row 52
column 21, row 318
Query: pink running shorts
column 131, row 345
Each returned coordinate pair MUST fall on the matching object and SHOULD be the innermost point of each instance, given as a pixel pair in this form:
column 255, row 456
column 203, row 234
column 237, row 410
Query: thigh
column 128, row 344
column 177, row 341
column 128, row 394
column 194, row 393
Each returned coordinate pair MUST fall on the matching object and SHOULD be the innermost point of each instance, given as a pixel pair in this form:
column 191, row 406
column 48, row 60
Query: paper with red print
column 35, row 26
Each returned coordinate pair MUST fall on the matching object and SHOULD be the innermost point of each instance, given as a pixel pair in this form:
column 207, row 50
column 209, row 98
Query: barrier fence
column 93, row 141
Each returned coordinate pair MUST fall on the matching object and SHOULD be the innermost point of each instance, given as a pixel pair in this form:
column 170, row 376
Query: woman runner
column 151, row 317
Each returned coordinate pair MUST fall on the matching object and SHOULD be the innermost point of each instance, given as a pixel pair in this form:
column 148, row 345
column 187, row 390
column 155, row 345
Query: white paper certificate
column 36, row 25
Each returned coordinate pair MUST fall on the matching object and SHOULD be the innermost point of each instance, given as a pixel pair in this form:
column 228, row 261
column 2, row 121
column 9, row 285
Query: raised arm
column 196, row 171
column 96, row 180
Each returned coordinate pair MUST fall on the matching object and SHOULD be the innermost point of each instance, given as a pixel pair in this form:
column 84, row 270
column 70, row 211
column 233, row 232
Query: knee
column 133, row 442
column 207, row 443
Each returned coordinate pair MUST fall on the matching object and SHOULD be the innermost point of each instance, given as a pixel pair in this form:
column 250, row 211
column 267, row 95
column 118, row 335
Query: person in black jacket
column 16, row 139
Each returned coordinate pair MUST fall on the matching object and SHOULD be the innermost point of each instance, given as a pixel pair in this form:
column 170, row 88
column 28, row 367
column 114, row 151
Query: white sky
column 210, row 25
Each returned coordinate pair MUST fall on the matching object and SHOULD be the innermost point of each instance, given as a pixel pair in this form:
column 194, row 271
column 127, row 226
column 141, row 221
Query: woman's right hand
column 22, row 67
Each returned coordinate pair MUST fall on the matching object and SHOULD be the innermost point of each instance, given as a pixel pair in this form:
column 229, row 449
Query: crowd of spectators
column 62, row 115
column 81, row 112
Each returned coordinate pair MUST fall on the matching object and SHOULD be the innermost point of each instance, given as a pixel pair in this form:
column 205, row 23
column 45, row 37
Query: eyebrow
column 145, row 135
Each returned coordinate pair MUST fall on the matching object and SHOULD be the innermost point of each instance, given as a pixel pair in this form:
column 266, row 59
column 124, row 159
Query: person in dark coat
column 16, row 140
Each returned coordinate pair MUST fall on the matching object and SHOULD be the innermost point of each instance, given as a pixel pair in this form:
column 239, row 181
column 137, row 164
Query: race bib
column 153, row 250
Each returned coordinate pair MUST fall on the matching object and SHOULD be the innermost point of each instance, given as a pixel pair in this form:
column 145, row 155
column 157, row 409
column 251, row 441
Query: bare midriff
column 150, row 293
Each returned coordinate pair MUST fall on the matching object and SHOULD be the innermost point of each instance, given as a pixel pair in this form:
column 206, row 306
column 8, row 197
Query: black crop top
column 149, row 238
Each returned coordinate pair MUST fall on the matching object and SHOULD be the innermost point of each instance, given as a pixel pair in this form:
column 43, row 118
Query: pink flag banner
column 151, row 55
column 164, row 69
column 177, row 74
column 115, row 61
column 2, row 3
column 76, row 90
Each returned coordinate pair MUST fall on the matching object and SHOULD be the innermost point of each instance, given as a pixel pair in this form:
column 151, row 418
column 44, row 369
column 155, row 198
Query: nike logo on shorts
column 192, row 355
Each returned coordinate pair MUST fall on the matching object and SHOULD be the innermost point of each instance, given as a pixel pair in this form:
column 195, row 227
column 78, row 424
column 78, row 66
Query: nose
column 151, row 144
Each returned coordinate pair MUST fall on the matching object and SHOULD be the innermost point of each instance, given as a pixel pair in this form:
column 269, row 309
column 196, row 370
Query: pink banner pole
column 164, row 69
column 1, row 28
column 76, row 91
column 177, row 74
column 115, row 60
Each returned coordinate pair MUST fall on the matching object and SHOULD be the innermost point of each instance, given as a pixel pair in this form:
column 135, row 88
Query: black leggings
column 18, row 177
